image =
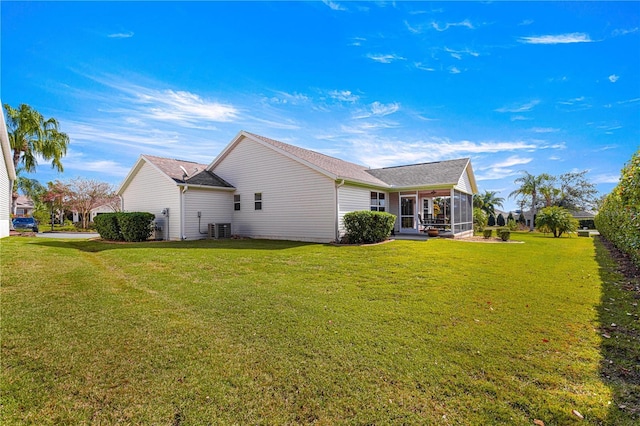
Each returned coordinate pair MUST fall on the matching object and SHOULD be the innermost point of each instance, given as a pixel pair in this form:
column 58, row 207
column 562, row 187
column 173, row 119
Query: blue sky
column 544, row 87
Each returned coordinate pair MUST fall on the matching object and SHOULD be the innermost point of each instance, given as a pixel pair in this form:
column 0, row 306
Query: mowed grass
column 272, row 332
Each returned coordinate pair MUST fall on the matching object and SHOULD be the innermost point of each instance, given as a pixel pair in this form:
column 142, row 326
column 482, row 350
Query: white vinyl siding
column 151, row 191
column 351, row 199
column 215, row 206
column 464, row 184
column 298, row 202
column 5, row 199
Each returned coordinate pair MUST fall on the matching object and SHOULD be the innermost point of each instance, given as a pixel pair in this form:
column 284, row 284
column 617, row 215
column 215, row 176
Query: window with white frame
column 378, row 201
column 236, row 202
column 257, row 198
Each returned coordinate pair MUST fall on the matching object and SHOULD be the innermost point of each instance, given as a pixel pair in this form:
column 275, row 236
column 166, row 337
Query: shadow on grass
column 95, row 246
column 620, row 331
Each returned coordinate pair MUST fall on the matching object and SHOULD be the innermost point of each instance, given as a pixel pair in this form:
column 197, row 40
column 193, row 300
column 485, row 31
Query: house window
column 378, row 202
column 257, row 198
column 236, row 202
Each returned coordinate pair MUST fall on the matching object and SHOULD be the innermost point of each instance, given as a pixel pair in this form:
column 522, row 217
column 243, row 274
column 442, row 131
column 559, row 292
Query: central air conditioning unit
column 219, row 230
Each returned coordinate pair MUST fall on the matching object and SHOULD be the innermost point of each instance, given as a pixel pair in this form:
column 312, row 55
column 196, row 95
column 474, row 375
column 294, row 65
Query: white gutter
column 338, row 186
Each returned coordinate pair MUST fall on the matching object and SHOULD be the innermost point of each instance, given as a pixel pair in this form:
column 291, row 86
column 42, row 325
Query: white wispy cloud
column 526, row 22
column 343, row 96
column 333, row 5
column 382, row 152
column 624, row 31
column 557, row 39
column 127, row 34
column 443, row 27
column 385, row 58
column 183, row 106
column 288, row 98
column 378, row 108
column 459, row 53
column 423, row 67
column 606, row 178
column 454, row 70
column 528, row 106
column 544, row 130
column 613, row 78
column 514, row 160
column 357, row 41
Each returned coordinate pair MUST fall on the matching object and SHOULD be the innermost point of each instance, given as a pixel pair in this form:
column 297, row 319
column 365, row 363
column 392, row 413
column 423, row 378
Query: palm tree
column 490, row 201
column 30, row 135
column 530, row 186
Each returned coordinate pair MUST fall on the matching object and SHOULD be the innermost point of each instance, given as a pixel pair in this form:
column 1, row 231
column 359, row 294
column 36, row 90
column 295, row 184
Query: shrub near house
column 134, row 226
column 368, row 226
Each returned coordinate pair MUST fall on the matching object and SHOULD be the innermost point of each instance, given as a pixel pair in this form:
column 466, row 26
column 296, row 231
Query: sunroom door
column 408, row 213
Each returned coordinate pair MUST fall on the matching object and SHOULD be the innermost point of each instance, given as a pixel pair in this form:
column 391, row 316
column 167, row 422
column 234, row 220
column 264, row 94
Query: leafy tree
column 529, row 189
column 492, row 220
column 557, row 220
column 510, row 217
column 576, row 192
column 84, row 195
column 55, row 198
column 500, row 220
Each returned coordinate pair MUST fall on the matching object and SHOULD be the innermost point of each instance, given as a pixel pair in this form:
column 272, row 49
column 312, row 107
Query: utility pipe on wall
column 183, row 209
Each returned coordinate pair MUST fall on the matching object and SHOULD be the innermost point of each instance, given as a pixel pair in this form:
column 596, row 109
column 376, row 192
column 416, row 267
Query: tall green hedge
column 619, row 217
column 133, row 226
column 365, row 227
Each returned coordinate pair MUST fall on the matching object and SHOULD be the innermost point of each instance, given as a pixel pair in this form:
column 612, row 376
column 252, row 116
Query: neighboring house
column 24, row 206
column 7, row 177
column 268, row 189
column 105, row 208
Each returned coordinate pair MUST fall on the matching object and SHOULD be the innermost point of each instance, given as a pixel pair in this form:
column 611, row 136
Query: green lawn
column 264, row 332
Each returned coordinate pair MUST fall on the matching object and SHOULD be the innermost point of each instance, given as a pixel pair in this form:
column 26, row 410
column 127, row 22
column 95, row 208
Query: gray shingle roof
column 425, row 174
column 335, row 166
column 197, row 175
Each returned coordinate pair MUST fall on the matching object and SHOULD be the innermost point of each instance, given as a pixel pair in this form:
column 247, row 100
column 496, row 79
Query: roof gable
column 332, row 167
column 173, row 169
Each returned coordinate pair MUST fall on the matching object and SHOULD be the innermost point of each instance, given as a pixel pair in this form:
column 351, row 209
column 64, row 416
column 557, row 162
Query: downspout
column 338, row 186
column 183, row 205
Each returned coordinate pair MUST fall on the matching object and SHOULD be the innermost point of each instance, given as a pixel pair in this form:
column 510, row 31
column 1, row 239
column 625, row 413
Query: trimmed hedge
column 504, row 234
column 487, row 233
column 366, row 227
column 107, row 226
column 619, row 217
column 131, row 227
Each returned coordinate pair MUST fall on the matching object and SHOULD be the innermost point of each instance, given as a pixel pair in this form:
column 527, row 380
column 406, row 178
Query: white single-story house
column 263, row 188
column 23, row 206
column 7, row 177
column 104, row 208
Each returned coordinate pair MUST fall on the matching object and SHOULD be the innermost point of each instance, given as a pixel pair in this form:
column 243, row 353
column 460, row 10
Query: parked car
column 25, row 223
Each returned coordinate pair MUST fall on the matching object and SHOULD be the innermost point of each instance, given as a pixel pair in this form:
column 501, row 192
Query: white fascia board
column 6, row 149
column 226, row 150
column 216, row 188
column 472, row 177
